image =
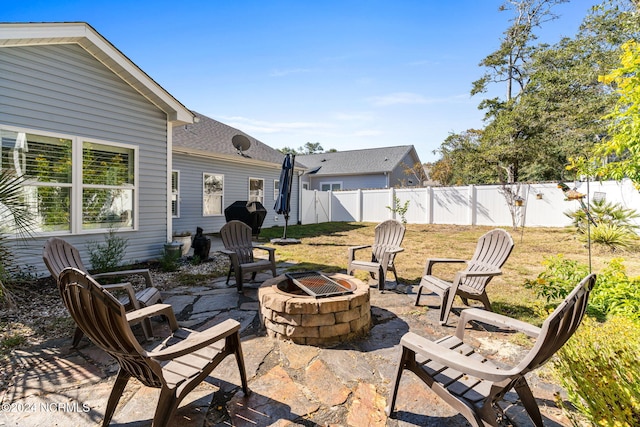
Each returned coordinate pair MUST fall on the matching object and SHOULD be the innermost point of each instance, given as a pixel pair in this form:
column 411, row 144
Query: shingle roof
column 356, row 162
column 213, row 137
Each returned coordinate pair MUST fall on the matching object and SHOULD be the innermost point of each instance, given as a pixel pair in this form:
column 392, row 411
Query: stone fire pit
column 304, row 319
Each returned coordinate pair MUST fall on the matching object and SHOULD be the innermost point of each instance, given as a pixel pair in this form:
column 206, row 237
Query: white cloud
column 364, row 116
column 368, row 132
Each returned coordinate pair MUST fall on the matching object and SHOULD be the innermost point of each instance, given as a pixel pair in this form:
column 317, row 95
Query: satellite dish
column 241, row 143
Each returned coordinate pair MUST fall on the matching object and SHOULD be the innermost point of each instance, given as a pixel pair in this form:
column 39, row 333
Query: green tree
column 462, row 161
column 624, row 120
column 507, row 140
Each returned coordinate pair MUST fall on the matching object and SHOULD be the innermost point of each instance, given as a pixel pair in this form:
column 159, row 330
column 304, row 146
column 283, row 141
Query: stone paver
column 291, row 384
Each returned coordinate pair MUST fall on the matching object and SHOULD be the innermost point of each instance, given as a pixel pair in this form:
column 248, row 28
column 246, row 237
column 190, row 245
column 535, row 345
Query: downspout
column 169, row 173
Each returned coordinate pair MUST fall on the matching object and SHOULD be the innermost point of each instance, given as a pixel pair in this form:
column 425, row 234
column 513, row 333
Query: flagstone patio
column 291, row 384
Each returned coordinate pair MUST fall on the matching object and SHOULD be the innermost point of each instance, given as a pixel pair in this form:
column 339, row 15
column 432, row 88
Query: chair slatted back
column 492, row 251
column 103, row 319
column 236, row 236
column 388, row 235
column 59, row 254
column 560, row 325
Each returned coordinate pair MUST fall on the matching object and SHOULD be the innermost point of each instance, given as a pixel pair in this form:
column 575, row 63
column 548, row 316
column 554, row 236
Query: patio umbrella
column 283, row 202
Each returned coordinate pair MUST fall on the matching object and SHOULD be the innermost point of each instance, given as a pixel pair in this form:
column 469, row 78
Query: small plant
column 170, row 260
column 107, row 256
column 9, row 343
column 598, row 367
column 400, row 209
column 614, row 224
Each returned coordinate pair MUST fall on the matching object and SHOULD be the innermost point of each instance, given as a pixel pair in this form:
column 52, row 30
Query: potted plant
column 184, row 238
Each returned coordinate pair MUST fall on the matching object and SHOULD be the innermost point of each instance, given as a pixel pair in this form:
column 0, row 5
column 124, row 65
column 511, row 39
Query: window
column 333, row 186
column 212, row 192
column 175, row 194
column 72, row 184
column 276, row 189
column 256, row 190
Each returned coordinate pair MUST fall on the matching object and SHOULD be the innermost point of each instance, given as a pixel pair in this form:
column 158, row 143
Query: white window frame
column 276, row 189
column 77, row 185
column 204, row 206
column 331, row 184
column 260, row 197
column 175, row 194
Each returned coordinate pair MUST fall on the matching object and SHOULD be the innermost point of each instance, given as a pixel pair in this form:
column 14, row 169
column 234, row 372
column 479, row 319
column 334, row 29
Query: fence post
column 329, row 205
column 392, row 203
column 429, row 204
column 359, row 204
column 472, row 205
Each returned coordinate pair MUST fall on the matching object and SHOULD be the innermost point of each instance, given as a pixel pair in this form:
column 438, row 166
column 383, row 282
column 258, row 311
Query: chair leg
column 229, row 274
column 420, row 288
column 167, row 405
column 77, row 336
column 528, row 401
column 381, row 279
column 239, row 280
column 116, row 392
column 404, row 358
column 445, row 305
column 233, row 344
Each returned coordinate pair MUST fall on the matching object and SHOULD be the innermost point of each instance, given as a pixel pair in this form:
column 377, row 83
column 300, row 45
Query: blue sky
column 347, row 74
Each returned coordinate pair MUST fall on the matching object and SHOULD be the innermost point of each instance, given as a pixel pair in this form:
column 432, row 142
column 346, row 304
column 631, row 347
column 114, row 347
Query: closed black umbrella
column 283, row 202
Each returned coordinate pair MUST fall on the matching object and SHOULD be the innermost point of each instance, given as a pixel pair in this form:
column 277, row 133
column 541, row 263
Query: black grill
column 317, row 284
column 252, row 214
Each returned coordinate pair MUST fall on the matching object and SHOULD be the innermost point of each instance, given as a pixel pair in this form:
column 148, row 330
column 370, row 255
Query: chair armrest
column 265, row 248
column 137, row 316
column 453, row 359
column 197, row 340
column 494, row 319
column 128, row 288
column 433, row 261
column 354, row 249
column 141, row 272
column 395, row 250
column 485, row 273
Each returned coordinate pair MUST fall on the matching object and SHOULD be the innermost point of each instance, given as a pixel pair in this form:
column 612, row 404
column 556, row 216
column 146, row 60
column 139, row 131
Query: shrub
column 598, row 367
column 170, row 261
column 107, row 256
column 614, row 293
column 559, row 278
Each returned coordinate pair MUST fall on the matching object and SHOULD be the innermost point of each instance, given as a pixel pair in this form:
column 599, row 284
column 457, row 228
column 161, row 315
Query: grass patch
column 325, row 246
column 10, row 342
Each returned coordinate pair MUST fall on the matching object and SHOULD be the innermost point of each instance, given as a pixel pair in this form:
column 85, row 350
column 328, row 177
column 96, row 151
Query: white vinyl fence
column 544, row 204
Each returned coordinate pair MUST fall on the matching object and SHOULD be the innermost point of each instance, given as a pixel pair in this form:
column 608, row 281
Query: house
column 210, row 172
column 360, row 169
column 92, row 134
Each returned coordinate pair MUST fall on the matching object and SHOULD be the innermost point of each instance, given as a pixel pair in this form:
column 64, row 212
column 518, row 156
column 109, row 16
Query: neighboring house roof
column 81, row 33
column 207, row 136
column 357, row 162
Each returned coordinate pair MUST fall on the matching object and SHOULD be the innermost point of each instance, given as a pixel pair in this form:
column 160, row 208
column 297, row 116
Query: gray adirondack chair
column 236, row 237
column 492, row 251
column 176, row 366
column 59, row 254
column 386, row 245
column 471, row 383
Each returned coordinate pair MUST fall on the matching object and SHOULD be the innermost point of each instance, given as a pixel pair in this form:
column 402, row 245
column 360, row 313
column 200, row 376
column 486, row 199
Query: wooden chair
column 472, row 384
column 387, row 240
column 236, row 237
column 492, row 251
column 59, row 254
column 176, row 366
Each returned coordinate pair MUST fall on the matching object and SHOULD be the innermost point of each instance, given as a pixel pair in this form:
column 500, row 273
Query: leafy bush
column 614, row 293
column 107, row 256
column 559, row 278
column 598, row 367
